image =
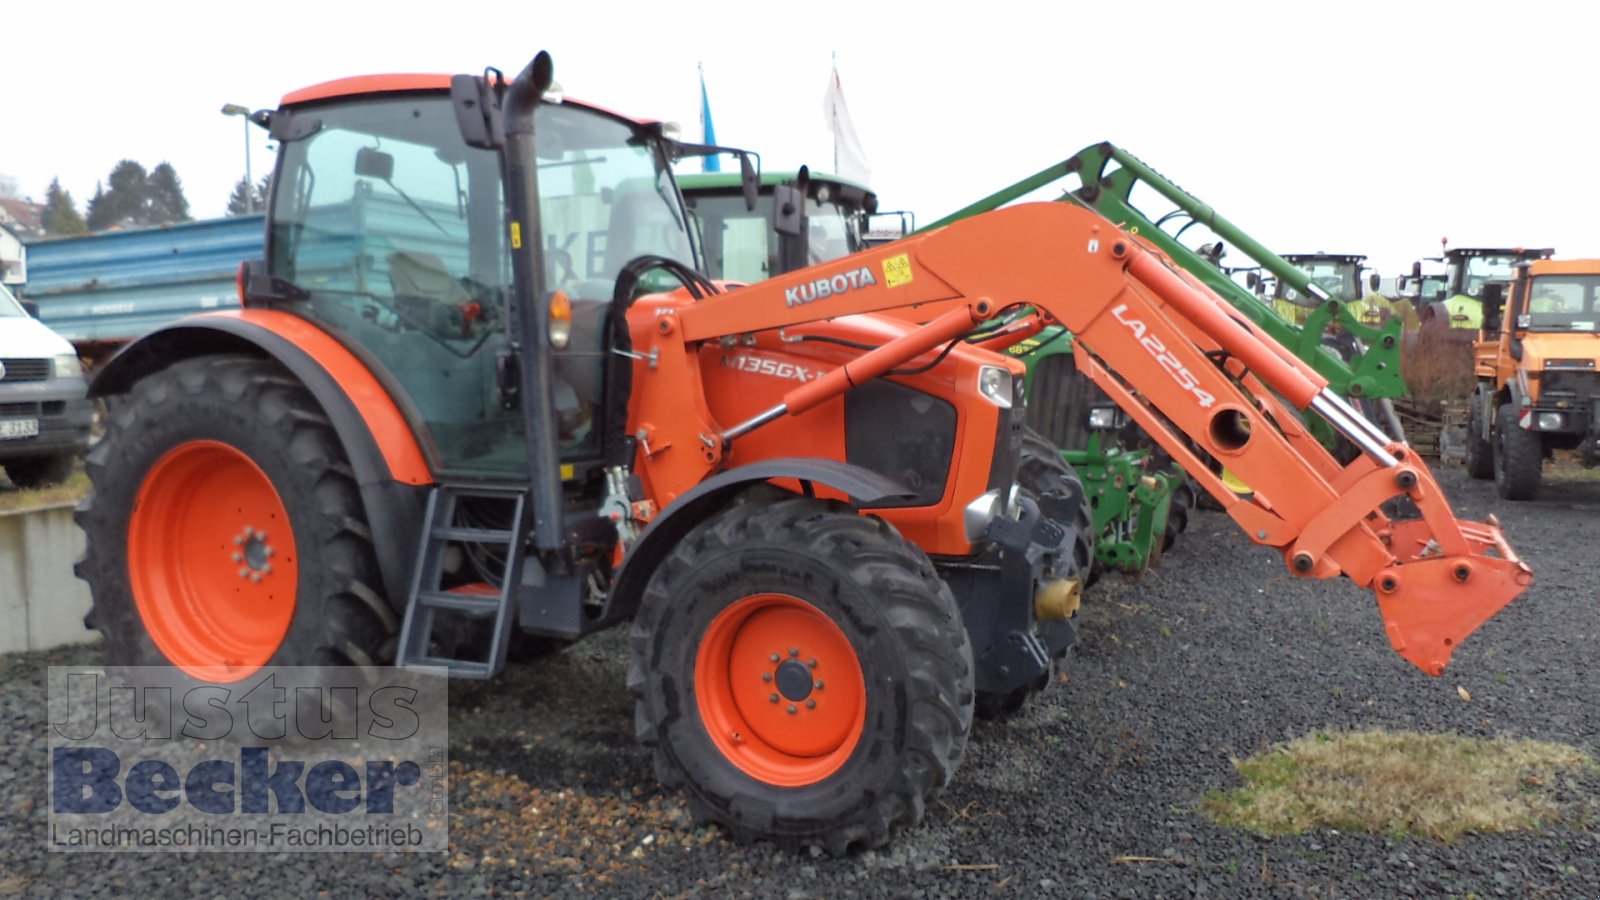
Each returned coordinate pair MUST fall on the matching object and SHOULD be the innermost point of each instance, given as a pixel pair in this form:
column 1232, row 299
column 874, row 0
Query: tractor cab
column 799, row 219
column 1425, row 285
column 1337, row 274
column 389, row 231
column 1469, row 269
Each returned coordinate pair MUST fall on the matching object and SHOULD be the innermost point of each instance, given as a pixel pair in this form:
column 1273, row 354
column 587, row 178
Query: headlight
column 995, row 383
column 1105, row 418
column 980, row 512
column 1551, row 421
column 67, row 366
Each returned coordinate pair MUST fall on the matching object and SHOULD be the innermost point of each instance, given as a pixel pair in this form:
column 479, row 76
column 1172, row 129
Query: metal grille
column 1580, row 385
column 25, row 370
column 19, row 409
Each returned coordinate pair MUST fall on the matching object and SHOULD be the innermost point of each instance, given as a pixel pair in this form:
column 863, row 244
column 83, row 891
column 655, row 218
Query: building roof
column 23, row 216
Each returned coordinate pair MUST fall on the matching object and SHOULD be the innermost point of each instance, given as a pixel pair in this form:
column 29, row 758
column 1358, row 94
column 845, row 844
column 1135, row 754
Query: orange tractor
column 474, row 391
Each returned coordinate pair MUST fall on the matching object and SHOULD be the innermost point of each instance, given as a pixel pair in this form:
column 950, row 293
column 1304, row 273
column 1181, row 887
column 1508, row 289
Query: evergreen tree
column 164, row 198
column 125, row 201
column 60, row 212
column 239, row 202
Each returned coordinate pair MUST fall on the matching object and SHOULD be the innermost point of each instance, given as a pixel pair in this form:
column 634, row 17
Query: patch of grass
column 1400, row 784
column 72, row 490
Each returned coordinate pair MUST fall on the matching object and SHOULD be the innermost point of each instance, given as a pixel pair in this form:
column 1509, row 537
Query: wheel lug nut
column 773, row 698
column 248, row 531
column 244, row 573
column 238, row 541
column 261, row 536
column 812, row 662
column 819, row 684
column 794, row 651
column 766, row 676
column 792, row 709
column 774, row 657
column 238, row 557
column 266, row 568
column 811, row 704
column 255, row 577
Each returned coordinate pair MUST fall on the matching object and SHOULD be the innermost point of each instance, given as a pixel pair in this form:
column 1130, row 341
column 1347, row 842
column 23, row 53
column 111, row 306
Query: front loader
column 425, row 430
column 1126, row 508
column 1117, row 184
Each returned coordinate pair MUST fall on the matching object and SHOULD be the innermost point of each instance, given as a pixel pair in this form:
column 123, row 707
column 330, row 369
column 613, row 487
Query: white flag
column 849, row 159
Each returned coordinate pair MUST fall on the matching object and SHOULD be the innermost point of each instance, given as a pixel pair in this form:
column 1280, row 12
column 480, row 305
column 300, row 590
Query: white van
column 45, row 415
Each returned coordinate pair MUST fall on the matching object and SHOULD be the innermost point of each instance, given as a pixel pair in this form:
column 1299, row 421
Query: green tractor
column 1422, row 289
column 1468, row 269
column 1341, row 276
column 1137, row 505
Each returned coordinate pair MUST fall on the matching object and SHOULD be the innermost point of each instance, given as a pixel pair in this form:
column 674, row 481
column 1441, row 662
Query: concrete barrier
column 42, row 603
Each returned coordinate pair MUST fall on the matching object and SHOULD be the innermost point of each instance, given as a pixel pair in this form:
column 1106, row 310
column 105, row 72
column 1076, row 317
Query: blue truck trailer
column 100, row 291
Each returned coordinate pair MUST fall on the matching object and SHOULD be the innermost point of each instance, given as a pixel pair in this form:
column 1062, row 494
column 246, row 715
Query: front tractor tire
column 1518, row 456
column 803, row 674
column 226, row 531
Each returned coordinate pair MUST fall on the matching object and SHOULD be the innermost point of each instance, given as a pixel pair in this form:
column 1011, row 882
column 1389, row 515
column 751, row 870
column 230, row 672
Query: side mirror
column 1372, row 282
column 1416, row 269
column 750, row 181
column 477, row 106
column 1494, row 299
column 1252, row 280
column 788, row 209
column 374, row 163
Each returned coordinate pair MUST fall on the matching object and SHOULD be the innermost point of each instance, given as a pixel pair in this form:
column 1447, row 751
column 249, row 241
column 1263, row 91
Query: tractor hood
column 1539, row 348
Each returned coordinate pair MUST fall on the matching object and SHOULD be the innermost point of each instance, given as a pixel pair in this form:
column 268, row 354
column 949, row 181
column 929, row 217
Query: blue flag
column 710, row 163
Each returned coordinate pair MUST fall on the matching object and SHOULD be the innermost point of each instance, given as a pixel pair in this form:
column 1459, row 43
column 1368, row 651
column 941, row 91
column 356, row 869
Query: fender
column 389, row 465
column 863, row 486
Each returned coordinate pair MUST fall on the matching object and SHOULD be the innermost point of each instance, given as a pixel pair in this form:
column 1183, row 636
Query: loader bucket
column 1431, row 602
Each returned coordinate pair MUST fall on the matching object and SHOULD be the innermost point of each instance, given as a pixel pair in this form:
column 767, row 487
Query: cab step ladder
column 495, row 603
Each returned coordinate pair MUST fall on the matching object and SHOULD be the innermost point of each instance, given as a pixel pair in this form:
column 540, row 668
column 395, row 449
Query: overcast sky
column 1353, row 127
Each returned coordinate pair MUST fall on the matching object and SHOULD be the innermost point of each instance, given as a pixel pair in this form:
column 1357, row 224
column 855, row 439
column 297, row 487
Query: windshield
column 1564, row 303
column 741, row 244
column 1337, row 278
column 1480, row 270
column 395, row 230
column 9, row 307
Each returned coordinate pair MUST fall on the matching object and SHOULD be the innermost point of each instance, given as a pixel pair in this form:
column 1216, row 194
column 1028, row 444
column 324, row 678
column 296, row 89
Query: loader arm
column 1103, row 177
column 1189, row 368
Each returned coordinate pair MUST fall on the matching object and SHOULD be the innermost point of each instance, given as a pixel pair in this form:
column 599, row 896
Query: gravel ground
column 1090, row 791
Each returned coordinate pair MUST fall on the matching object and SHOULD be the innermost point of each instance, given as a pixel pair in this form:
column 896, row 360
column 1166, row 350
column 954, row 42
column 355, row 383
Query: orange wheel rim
column 780, row 690
column 212, row 561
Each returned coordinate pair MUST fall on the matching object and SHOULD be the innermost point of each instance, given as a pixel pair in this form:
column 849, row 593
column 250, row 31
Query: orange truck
column 1537, row 360
column 458, row 402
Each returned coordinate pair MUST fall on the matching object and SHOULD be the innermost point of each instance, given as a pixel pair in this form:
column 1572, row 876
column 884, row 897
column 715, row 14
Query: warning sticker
column 897, row 271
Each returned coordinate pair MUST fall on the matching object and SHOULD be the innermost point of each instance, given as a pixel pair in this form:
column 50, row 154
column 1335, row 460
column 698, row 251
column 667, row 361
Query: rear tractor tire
column 226, row 531
column 803, row 674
